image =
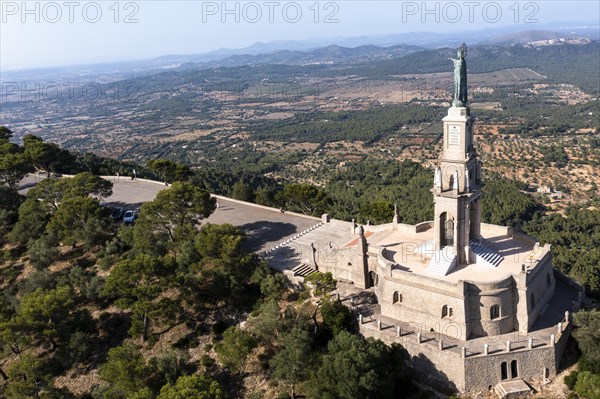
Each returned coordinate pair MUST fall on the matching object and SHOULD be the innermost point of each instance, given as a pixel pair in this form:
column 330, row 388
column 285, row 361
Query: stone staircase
column 303, row 271
column 293, row 238
column 485, row 255
column 442, row 262
column 512, row 389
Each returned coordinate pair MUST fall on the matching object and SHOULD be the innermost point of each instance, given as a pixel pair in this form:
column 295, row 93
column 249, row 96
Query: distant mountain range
column 501, row 35
column 332, row 54
column 315, row 51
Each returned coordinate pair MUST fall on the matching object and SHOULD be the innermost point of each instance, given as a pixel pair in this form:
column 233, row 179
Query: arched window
column 494, row 312
column 397, row 297
column 532, row 300
column 548, row 280
column 504, row 371
column 514, row 373
column 446, row 311
column 442, row 222
column 449, row 232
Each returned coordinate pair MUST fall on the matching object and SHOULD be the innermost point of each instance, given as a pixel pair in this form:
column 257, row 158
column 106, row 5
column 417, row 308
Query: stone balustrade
column 295, row 237
column 395, row 332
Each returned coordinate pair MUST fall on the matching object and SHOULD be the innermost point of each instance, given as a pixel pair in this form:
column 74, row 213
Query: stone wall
column 430, row 303
column 542, row 361
column 482, row 372
column 341, row 264
column 495, row 230
column 480, row 297
column 448, row 366
column 442, row 369
column 540, row 285
column 461, row 309
column 560, row 346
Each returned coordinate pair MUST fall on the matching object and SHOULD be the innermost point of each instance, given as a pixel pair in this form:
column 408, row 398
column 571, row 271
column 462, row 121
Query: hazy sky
column 51, row 33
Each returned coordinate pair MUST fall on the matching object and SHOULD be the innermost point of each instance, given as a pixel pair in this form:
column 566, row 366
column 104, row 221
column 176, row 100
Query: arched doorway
column 442, row 224
column 372, row 279
column 472, row 216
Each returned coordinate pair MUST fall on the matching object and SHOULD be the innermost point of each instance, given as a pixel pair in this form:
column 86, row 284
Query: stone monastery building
column 477, row 306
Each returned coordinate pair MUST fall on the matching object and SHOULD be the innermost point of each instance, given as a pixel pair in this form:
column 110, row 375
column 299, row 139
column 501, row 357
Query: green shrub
column 187, row 342
column 207, row 361
column 77, row 350
column 571, row 379
column 168, row 366
column 336, row 316
column 588, row 385
column 234, row 348
column 105, row 262
column 42, row 252
column 37, row 279
column 219, row 327
column 151, row 341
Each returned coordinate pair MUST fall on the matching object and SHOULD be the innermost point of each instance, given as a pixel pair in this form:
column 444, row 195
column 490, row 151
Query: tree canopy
column 192, row 387
column 168, row 171
column 357, row 368
column 172, row 217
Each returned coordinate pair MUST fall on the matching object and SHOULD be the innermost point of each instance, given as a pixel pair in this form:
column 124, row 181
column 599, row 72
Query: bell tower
column 457, row 182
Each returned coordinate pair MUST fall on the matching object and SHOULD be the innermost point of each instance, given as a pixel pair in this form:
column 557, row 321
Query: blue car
column 129, row 217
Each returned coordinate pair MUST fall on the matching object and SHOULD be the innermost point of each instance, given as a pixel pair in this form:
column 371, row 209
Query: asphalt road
column 265, row 227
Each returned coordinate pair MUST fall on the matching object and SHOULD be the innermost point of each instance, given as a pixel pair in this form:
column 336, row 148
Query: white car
column 129, row 217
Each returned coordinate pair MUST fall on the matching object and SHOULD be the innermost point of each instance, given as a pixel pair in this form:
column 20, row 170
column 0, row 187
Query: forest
column 368, row 126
